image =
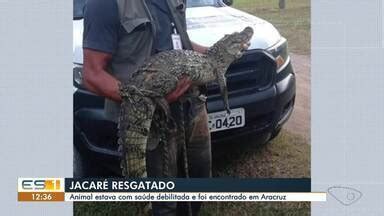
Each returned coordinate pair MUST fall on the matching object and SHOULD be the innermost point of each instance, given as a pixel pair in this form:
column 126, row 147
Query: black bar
column 192, row 185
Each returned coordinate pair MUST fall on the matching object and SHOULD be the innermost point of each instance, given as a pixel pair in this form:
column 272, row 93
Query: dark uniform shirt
column 102, row 31
column 162, row 19
column 131, row 39
column 101, row 26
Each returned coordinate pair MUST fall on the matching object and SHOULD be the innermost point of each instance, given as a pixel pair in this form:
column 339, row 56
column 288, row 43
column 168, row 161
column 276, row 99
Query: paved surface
column 300, row 121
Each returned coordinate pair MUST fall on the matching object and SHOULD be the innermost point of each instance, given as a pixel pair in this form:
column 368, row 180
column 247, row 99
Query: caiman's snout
column 247, row 33
column 243, row 39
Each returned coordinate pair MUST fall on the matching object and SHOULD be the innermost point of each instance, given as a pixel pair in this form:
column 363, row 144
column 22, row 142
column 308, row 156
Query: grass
column 103, row 209
column 257, row 209
column 293, row 22
column 287, row 156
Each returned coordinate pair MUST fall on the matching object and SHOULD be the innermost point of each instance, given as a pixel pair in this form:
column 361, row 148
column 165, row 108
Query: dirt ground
column 300, row 121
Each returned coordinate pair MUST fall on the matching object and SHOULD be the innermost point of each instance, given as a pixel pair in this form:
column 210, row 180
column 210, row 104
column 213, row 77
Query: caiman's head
column 229, row 48
column 224, row 52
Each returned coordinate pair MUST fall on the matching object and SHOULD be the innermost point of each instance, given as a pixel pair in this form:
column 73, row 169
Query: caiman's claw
column 228, row 111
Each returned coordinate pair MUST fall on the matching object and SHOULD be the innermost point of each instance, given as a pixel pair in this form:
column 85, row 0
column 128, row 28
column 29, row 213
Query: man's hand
column 184, row 83
column 199, row 48
column 182, row 86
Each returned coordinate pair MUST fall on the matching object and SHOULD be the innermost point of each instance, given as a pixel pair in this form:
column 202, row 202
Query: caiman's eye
column 238, row 54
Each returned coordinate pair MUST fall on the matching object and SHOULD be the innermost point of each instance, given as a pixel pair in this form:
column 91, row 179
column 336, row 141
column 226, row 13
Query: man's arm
column 199, row 48
column 96, row 78
column 99, row 81
column 100, row 41
column 182, row 86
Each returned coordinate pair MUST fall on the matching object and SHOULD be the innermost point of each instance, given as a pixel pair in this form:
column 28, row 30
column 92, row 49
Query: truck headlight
column 78, row 75
column 280, row 52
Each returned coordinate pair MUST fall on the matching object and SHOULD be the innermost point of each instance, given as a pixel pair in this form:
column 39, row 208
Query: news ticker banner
column 166, row 190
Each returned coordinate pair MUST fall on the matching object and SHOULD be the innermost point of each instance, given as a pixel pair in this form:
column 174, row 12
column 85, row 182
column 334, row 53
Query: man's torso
column 131, row 30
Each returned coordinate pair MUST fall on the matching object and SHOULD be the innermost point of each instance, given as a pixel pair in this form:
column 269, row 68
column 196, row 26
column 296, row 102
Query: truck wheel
column 83, row 167
column 275, row 133
column 79, row 168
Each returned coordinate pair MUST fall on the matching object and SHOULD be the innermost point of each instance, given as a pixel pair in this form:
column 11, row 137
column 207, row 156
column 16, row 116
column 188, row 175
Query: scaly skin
column 159, row 76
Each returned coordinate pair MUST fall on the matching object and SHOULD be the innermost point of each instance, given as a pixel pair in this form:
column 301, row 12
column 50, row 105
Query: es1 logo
column 40, row 184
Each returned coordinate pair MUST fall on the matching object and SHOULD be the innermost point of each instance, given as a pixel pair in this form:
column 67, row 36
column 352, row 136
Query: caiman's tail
column 134, row 125
column 137, row 110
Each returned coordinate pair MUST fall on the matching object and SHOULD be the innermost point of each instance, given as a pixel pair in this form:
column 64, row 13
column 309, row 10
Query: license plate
column 219, row 121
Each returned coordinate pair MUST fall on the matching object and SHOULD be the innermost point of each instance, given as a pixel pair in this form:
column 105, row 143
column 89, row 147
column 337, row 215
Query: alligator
column 148, row 86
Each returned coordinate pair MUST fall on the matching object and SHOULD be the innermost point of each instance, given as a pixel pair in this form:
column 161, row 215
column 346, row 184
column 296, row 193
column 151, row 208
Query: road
column 300, row 121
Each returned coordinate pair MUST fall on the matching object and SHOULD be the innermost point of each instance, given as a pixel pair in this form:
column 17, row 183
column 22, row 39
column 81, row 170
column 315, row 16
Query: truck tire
column 79, row 168
column 275, row 133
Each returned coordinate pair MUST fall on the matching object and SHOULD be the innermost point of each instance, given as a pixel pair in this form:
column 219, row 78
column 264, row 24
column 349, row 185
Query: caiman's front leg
column 223, row 91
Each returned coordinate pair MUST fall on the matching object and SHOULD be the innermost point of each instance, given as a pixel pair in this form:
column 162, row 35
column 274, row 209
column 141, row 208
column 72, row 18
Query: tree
column 282, row 4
